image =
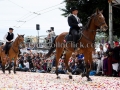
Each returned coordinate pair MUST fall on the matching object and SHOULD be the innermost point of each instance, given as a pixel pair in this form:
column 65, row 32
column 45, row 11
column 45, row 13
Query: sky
column 23, row 15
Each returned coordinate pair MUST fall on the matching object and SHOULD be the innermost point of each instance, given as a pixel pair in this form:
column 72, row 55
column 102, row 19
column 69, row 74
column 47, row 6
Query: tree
column 87, row 8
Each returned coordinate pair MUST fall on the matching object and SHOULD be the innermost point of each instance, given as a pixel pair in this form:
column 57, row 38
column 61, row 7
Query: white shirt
column 52, row 34
column 94, row 56
column 6, row 37
column 26, row 64
column 76, row 18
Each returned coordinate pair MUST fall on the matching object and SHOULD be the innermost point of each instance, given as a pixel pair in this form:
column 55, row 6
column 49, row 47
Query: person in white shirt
column 52, row 34
column 94, row 57
column 100, row 60
column 26, row 63
column 9, row 37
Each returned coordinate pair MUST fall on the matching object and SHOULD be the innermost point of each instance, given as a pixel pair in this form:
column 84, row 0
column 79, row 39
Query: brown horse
column 85, row 43
column 12, row 53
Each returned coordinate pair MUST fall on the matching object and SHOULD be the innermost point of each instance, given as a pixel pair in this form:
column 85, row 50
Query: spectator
column 52, row 34
column 95, row 59
column 100, row 61
column 105, row 64
column 116, row 56
column 109, row 61
column 26, row 64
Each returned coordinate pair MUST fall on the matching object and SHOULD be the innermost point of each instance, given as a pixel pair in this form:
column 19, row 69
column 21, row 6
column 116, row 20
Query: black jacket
column 10, row 36
column 116, row 53
column 73, row 23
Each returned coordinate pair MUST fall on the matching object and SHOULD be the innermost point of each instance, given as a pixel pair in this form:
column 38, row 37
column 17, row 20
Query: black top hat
column 11, row 29
column 52, row 28
column 73, row 9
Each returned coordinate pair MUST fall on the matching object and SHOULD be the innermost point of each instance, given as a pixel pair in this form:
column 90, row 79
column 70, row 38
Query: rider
column 52, row 34
column 8, row 38
column 75, row 24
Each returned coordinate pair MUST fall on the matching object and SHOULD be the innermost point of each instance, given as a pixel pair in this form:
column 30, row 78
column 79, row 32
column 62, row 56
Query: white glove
column 80, row 25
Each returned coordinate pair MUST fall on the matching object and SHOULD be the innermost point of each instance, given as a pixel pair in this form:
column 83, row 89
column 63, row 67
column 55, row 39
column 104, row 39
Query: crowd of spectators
column 105, row 62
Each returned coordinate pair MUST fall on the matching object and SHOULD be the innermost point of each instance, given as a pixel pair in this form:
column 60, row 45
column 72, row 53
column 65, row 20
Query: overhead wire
column 30, row 13
column 41, row 10
column 43, row 13
column 50, row 7
column 35, row 17
column 19, row 6
column 26, row 15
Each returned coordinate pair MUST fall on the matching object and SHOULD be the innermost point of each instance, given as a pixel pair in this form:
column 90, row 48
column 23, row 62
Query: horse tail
column 52, row 48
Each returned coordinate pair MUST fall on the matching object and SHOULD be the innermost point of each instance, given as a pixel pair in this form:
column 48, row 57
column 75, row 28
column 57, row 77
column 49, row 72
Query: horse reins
column 18, row 47
column 93, row 30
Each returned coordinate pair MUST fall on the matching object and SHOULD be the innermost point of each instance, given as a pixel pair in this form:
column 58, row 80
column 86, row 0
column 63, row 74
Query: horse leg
column 58, row 54
column 9, row 69
column 14, row 66
column 88, row 62
column 87, row 72
column 3, row 64
column 67, row 56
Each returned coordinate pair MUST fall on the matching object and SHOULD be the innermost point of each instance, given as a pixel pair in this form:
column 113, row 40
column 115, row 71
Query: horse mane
column 17, row 38
column 88, row 23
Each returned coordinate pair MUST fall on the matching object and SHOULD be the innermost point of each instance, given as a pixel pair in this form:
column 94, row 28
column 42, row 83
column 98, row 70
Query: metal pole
column 110, row 24
column 38, row 38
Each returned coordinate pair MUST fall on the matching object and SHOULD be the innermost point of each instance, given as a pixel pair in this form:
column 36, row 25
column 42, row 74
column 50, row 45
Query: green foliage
column 88, row 7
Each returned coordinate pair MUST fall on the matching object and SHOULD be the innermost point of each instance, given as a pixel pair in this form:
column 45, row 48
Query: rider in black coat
column 75, row 24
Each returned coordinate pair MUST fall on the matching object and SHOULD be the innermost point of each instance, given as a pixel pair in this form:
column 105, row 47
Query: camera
column 48, row 31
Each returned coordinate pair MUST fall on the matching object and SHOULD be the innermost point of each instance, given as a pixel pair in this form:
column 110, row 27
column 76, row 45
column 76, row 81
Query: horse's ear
column 18, row 34
column 101, row 11
column 23, row 35
column 97, row 11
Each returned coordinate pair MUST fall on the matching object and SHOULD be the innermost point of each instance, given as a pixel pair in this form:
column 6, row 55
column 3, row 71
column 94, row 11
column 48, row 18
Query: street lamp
column 38, row 28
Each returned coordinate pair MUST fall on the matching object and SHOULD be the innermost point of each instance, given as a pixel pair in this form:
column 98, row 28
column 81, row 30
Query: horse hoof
column 70, row 77
column 83, row 75
column 3, row 72
column 9, row 72
column 14, row 72
column 89, row 79
column 58, row 77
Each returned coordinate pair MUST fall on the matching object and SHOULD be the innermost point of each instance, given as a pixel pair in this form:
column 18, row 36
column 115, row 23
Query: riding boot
column 74, row 34
column 75, row 48
column 6, row 48
column 75, row 44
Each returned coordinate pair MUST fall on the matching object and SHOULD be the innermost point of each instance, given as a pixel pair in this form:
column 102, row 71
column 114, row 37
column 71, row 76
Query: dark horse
column 96, row 21
column 13, row 52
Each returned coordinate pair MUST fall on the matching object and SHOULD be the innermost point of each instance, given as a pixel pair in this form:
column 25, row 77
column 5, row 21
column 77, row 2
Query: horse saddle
column 8, row 48
column 69, row 37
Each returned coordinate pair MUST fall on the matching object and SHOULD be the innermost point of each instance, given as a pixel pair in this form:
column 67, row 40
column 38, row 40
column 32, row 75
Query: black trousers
column 75, row 35
column 6, row 47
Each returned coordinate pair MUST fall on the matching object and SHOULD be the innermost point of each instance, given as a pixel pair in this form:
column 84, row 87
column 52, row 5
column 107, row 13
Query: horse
column 12, row 53
column 87, row 40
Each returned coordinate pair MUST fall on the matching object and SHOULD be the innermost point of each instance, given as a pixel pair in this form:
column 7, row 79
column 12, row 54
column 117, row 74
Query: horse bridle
column 96, row 19
column 21, row 44
column 101, row 23
column 18, row 46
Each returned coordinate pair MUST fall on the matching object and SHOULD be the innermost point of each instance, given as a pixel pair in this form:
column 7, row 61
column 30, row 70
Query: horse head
column 99, row 20
column 21, row 41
